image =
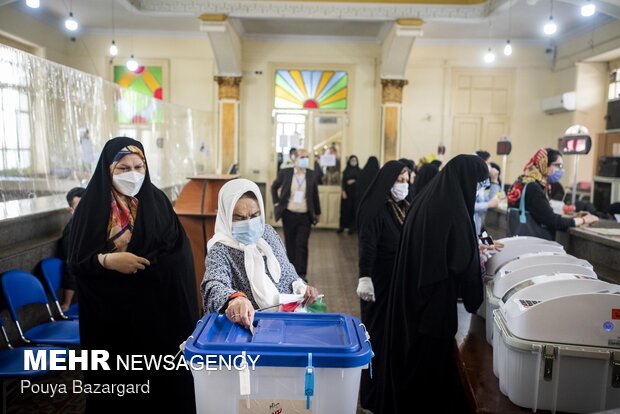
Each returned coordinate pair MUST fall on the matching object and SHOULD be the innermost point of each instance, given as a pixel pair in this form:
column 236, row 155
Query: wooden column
column 391, row 105
column 228, row 121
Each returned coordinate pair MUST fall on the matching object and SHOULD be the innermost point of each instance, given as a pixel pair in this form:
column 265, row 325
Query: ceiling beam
column 397, row 47
column 225, row 43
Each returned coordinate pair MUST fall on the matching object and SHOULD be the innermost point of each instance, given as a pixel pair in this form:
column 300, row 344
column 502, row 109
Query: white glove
column 365, row 289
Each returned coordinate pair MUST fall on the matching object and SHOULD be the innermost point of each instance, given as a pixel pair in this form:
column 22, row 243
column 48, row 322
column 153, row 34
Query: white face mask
column 128, row 183
column 400, row 191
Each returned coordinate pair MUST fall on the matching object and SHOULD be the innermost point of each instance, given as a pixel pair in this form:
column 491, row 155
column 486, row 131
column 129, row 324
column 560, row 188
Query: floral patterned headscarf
column 123, row 210
column 534, row 171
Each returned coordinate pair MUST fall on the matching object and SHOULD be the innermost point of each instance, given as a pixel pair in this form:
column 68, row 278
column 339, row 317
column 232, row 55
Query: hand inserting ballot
column 365, row 289
column 241, row 311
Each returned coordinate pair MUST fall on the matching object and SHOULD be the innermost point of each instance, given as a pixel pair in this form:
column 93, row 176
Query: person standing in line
column 411, row 167
column 437, row 262
column 380, row 220
column 295, row 194
column 290, row 163
column 486, row 196
column 136, row 281
column 348, row 202
column 367, row 175
column 318, row 170
column 424, row 176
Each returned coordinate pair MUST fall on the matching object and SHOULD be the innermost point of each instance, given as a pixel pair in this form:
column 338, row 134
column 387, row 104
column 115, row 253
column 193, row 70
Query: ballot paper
column 291, row 303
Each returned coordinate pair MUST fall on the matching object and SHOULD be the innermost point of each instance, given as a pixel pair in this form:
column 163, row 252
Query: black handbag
column 521, row 223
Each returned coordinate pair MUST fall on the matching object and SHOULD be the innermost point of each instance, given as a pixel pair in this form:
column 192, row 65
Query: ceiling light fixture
column 132, row 64
column 588, row 9
column 550, row 27
column 508, row 47
column 71, row 23
column 113, row 48
column 489, row 57
column 33, row 4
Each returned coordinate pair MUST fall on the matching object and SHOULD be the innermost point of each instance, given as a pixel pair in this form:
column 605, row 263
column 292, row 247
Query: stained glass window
column 136, row 104
column 323, row 89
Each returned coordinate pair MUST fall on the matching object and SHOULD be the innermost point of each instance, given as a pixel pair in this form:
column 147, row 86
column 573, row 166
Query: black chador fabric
column 424, row 176
column 150, row 312
column 437, row 261
column 347, row 206
column 411, row 167
column 379, row 231
column 368, row 173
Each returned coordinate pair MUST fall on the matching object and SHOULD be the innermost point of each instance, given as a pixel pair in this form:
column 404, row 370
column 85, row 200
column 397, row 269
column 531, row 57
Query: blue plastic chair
column 22, row 288
column 12, row 363
column 53, row 271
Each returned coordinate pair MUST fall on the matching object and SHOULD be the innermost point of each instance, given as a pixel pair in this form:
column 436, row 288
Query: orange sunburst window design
column 296, row 89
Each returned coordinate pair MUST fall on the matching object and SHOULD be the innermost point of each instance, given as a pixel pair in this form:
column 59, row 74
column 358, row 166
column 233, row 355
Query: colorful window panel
column 297, row 89
column 138, row 102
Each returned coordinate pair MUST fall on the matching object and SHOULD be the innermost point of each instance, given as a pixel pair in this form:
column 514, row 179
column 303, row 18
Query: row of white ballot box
column 554, row 327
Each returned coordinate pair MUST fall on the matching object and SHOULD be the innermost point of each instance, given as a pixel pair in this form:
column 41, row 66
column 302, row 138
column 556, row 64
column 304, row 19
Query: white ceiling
column 451, row 22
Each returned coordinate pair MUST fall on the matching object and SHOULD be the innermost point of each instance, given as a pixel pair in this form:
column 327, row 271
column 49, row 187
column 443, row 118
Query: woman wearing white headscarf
column 246, row 263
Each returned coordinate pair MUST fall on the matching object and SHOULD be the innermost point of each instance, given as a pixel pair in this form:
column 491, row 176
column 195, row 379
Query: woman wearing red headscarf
column 544, row 168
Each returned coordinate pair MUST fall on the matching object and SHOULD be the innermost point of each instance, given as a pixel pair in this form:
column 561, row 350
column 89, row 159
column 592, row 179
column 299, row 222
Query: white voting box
column 547, row 286
column 525, row 260
column 518, row 246
column 556, row 345
column 534, row 259
column 539, row 264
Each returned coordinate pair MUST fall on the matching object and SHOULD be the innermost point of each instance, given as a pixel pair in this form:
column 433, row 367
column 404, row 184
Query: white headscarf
column 263, row 289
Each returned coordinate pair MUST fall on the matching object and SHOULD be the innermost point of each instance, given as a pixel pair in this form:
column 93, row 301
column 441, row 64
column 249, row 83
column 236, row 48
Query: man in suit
column 295, row 194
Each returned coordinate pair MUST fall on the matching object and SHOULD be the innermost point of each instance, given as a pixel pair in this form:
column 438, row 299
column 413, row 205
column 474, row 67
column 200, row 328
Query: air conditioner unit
column 561, row 103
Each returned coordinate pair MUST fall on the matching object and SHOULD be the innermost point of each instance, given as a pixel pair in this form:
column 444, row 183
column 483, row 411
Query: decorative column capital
column 392, row 90
column 228, row 87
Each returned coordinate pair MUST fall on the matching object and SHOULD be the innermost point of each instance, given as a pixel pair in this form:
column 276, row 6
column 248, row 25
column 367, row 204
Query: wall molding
column 318, row 10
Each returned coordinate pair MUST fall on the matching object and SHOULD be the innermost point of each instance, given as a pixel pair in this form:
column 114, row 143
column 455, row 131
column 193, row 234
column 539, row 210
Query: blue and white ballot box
column 291, row 363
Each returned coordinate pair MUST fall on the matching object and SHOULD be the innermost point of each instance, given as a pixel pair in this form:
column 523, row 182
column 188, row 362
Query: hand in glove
column 365, row 289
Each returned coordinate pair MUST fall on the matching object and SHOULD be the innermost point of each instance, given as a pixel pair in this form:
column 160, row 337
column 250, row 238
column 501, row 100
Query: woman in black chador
column 366, row 176
column 135, row 279
column 425, row 174
column 437, row 262
column 380, row 221
column 349, row 194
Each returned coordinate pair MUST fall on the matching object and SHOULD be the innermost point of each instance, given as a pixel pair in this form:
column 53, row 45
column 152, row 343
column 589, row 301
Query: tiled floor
column 332, row 270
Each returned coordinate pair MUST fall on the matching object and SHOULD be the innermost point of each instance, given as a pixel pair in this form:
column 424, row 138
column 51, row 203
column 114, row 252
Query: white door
column 466, row 134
